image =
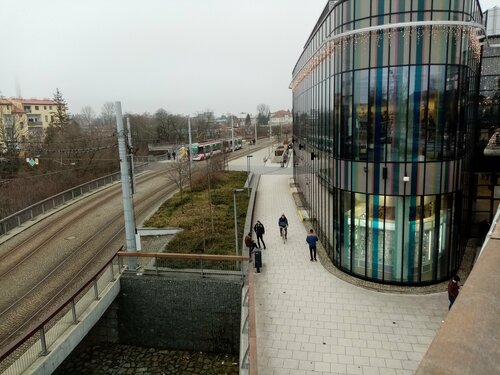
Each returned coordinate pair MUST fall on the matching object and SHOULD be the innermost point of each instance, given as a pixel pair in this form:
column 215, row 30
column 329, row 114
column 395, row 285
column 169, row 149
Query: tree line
column 78, row 148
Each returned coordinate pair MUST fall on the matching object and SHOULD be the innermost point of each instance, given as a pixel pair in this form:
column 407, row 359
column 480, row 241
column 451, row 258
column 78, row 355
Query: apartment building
column 22, row 119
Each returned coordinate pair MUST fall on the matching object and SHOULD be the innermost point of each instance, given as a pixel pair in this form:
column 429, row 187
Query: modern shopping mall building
column 385, row 106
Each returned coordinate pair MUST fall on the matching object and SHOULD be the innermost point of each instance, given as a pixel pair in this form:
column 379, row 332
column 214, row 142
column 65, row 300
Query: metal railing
column 248, row 336
column 19, row 355
column 202, row 264
column 29, row 213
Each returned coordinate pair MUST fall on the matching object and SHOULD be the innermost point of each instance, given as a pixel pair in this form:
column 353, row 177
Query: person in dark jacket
column 259, row 231
column 453, row 290
column 311, row 239
column 283, row 225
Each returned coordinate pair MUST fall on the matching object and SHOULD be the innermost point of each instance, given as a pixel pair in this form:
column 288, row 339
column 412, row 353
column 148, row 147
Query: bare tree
column 202, row 127
column 88, row 117
column 178, row 173
column 11, row 137
column 108, row 115
column 169, row 126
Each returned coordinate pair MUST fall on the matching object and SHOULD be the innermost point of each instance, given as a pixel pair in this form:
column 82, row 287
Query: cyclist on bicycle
column 283, row 224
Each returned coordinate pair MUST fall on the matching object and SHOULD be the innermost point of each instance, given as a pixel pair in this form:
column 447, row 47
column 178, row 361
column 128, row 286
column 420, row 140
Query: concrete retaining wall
column 184, row 313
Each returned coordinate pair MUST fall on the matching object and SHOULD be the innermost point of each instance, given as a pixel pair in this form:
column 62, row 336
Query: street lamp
column 248, row 173
column 235, row 219
column 248, row 163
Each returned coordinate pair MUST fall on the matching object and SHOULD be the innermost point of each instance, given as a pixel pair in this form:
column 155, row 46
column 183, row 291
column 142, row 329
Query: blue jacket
column 312, row 239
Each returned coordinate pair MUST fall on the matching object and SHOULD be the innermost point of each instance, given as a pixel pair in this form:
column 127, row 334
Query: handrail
column 252, row 329
column 182, row 256
column 35, row 327
column 12, row 217
column 16, row 219
column 57, row 195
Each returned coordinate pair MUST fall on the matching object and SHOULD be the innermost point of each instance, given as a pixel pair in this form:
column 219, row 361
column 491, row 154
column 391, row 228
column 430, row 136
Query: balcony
column 34, row 122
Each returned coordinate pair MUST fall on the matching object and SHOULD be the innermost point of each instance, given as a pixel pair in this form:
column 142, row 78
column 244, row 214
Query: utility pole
column 255, row 127
column 190, row 141
column 232, row 132
column 131, row 155
column 128, row 209
column 189, row 153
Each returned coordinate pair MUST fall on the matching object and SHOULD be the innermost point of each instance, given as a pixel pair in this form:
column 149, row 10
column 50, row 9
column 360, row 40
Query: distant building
column 24, row 119
column 242, row 116
column 281, row 118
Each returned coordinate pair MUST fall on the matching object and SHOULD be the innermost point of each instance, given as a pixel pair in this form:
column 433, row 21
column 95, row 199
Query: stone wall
column 180, row 312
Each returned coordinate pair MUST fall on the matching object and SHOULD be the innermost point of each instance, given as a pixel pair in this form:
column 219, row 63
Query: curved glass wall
column 383, row 100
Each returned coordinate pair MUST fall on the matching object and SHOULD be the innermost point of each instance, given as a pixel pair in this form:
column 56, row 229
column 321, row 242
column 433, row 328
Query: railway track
column 50, row 260
column 45, row 273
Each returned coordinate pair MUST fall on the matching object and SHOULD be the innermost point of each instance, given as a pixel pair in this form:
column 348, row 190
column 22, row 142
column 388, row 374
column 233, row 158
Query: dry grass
column 205, row 233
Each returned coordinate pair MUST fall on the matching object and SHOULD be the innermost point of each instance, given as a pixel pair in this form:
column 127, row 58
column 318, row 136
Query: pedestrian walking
column 259, row 232
column 311, row 239
column 453, row 290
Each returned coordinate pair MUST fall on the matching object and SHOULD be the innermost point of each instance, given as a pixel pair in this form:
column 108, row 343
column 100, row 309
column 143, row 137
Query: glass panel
column 441, row 4
column 410, row 270
column 398, row 10
column 346, row 119
column 345, row 231
column 359, row 245
column 378, row 118
column 379, row 52
column 430, row 237
column 391, row 269
column 376, row 234
column 451, row 108
column 361, row 52
column 435, row 112
column 444, row 236
column 360, row 114
column 362, row 11
column 416, row 113
column 397, row 107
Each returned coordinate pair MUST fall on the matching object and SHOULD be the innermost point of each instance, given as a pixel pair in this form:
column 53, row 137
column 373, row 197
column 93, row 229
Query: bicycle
column 283, row 230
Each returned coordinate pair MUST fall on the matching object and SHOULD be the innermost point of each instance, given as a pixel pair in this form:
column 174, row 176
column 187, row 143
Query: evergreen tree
column 61, row 119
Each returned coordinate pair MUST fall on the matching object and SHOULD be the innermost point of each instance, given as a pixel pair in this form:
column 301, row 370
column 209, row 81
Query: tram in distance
column 203, row 150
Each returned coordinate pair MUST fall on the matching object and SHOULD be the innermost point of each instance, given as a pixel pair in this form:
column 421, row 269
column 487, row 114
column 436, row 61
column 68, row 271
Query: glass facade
column 383, row 103
column 487, row 183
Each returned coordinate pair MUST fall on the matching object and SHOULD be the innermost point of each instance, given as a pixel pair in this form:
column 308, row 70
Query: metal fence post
column 96, row 290
column 73, row 311
column 156, row 265
column 43, row 342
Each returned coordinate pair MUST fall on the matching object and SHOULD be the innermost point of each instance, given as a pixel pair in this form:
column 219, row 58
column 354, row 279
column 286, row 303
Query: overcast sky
column 185, row 56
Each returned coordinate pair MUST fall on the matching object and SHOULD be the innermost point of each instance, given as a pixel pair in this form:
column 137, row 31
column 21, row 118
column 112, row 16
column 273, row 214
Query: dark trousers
column 312, row 251
column 452, row 300
column 260, row 238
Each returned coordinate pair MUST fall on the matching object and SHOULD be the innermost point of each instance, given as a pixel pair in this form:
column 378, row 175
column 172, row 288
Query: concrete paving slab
column 311, row 322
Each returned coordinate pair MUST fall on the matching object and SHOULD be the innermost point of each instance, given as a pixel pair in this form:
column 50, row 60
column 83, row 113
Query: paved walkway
column 311, row 322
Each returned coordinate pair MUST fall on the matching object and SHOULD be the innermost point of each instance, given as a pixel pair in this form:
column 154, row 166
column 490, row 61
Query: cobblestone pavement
column 110, row 359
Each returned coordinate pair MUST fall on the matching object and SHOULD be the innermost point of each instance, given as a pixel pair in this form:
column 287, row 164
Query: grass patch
column 208, row 226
